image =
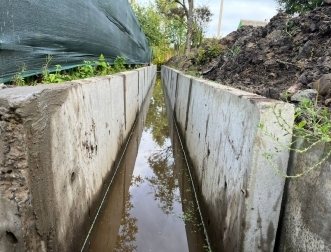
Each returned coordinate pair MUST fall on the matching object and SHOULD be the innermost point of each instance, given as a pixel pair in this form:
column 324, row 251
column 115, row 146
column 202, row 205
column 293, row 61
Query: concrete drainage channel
column 58, row 148
column 150, row 205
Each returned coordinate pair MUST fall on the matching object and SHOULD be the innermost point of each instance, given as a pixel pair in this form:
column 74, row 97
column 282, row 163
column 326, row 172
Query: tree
column 176, row 25
column 151, row 23
column 176, row 29
column 188, row 10
column 202, row 17
column 168, row 23
column 177, row 8
column 297, row 6
column 197, row 19
column 154, row 26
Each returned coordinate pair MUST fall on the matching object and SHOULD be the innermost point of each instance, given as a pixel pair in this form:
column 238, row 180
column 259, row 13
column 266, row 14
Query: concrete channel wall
column 306, row 219
column 58, row 148
column 241, row 193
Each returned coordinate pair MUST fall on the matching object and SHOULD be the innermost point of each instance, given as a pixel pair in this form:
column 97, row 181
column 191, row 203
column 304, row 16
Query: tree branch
column 184, row 7
column 179, row 2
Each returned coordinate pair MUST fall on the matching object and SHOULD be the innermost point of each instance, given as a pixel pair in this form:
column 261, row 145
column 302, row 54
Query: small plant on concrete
column 45, row 70
column 119, row 64
column 56, row 77
column 87, row 70
column 102, row 67
column 18, row 79
column 312, row 124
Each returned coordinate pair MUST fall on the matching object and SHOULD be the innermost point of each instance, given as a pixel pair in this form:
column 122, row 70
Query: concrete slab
column 240, row 192
column 306, row 220
column 58, row 145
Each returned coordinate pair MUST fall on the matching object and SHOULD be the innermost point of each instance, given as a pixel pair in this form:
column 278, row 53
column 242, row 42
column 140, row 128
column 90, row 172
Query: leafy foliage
column 298, row 6
column 155, row 27
column 151, row 23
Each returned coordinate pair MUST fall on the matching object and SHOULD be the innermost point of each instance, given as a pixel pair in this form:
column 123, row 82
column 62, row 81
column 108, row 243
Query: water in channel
column 150, row 205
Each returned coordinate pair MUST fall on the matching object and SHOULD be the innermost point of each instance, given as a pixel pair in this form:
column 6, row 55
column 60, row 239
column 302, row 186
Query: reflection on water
column 150, row 206
column 163, row 182
column 128, row 230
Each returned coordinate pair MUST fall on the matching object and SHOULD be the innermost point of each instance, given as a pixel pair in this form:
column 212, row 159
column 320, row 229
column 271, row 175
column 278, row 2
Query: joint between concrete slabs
column 188, row 103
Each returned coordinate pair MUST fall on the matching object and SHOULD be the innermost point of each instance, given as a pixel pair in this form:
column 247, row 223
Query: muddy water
column 150, row 205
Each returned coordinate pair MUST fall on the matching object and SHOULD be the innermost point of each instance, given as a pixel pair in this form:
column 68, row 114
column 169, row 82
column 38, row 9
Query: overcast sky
column 233, row 11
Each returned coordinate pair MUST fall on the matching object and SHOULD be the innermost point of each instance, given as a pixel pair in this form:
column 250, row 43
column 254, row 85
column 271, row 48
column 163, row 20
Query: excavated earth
column 289, row 58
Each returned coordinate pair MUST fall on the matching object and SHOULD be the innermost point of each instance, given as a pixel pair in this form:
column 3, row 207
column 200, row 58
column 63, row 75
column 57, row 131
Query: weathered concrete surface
column 240, row 192
column 58, row 145
column 306, row 221
column 105, row 233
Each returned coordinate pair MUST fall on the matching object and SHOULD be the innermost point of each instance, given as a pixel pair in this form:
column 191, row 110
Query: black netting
column 70, row 30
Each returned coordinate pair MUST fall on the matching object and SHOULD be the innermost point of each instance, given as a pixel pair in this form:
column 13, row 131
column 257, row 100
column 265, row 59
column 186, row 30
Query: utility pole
column 220, row 20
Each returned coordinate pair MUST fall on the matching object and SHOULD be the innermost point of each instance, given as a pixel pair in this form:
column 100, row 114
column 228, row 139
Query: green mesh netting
column 70, row 30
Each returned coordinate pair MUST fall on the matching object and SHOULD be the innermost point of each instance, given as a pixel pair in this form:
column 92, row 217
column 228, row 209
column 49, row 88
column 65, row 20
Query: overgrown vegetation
column 210, row 49
column 87, row 70
column 312, row 125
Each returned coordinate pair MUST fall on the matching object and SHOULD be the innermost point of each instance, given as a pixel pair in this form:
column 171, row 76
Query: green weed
column 119, row 64
column 18, row 79
column 312, row 124
column 87, row 70
column 288, row 28
column 235, row 51
column 209, row 52
column 45, row 70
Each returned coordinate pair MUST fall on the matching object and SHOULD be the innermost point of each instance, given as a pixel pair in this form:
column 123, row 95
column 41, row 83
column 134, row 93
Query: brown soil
column 269, row 60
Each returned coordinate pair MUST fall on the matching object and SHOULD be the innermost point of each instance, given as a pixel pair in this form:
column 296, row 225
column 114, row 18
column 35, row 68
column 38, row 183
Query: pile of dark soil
column 284, row 58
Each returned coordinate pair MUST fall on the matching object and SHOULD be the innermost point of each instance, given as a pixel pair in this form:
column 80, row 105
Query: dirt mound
column 287, row 55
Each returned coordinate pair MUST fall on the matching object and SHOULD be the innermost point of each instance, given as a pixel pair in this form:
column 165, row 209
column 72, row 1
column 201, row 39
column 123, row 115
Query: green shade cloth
column 71, row 31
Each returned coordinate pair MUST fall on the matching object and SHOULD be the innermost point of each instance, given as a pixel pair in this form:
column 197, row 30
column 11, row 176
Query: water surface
column 150, row 205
